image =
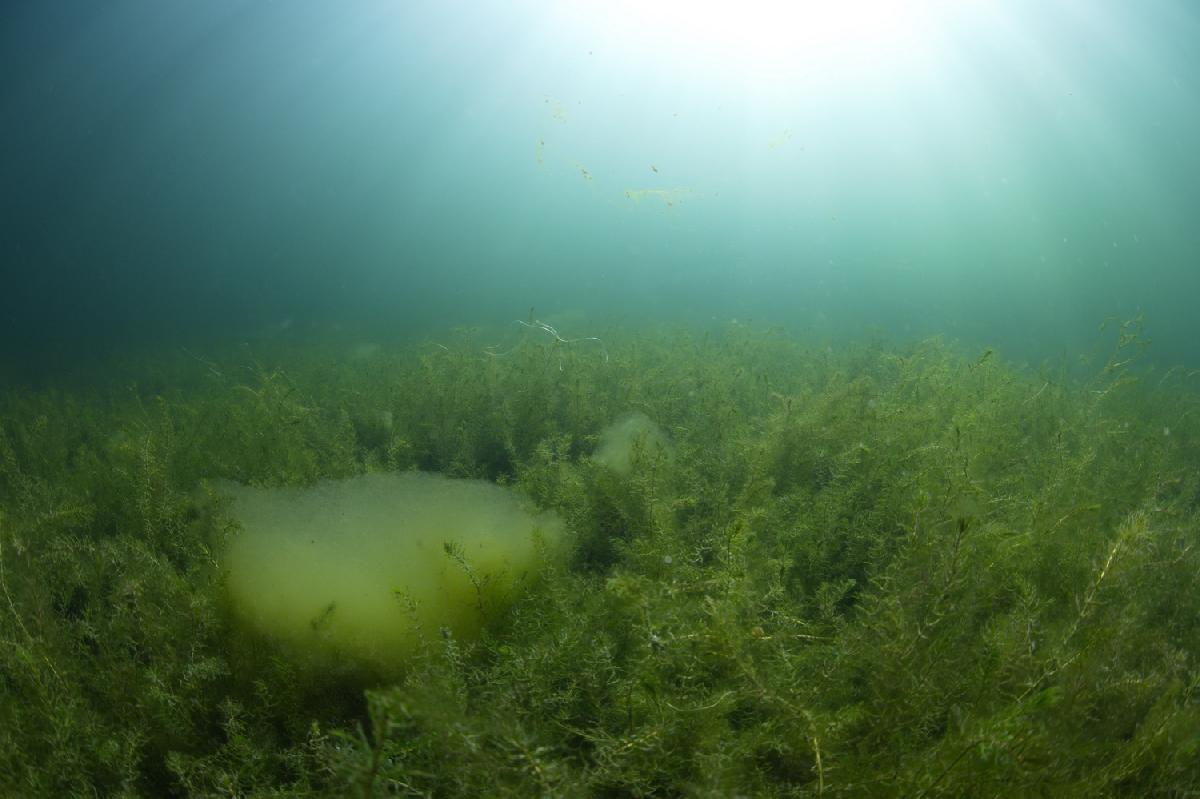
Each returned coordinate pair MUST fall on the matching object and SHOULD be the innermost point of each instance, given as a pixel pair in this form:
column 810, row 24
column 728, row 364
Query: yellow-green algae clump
column 364, row 568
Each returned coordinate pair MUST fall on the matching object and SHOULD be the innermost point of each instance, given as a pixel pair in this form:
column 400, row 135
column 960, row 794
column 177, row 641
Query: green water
column 1007, row 174
column 850, row 348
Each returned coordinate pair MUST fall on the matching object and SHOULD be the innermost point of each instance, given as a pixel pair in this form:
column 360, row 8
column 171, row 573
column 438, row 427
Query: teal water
column 1005, row 174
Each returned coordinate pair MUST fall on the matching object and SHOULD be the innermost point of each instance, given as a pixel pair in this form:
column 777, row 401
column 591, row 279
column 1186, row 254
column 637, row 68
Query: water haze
column 1003, row 174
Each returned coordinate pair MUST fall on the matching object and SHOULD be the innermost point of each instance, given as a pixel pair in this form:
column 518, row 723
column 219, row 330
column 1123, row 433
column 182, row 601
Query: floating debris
column 780, row 138
column 557, row 109
column 667, row 196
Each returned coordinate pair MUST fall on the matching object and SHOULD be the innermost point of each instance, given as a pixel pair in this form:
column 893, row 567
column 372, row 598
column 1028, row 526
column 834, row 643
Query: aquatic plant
column 876, row 570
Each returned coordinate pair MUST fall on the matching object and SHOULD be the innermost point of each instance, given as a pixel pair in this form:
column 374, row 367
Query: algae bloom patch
column 365, row 567
column 623, row 440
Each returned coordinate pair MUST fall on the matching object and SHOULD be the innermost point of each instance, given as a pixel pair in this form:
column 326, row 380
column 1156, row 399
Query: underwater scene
column 600, row 399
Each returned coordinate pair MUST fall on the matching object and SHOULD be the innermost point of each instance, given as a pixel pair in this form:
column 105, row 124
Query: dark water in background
column 1006, row 174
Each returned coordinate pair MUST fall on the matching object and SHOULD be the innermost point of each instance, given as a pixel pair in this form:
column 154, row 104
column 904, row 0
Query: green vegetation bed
column 877, row 571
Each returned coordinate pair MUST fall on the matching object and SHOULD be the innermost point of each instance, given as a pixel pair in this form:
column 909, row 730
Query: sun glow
column 756, row 37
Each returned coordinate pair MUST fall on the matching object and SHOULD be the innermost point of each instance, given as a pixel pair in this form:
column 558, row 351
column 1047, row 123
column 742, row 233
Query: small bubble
column 667, row 559
column 1166, row 431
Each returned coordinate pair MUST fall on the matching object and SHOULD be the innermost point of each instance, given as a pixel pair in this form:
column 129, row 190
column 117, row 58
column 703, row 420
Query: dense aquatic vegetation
column 873, row 570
